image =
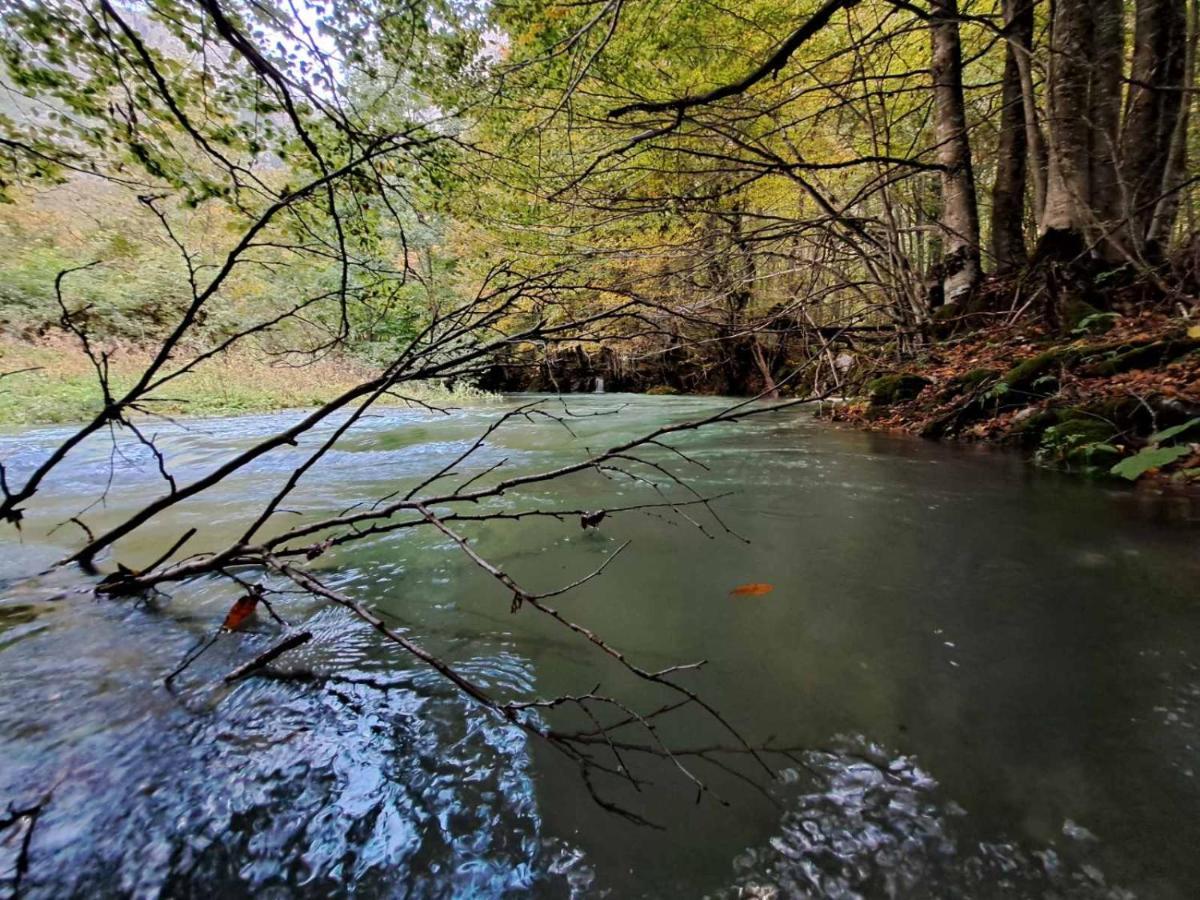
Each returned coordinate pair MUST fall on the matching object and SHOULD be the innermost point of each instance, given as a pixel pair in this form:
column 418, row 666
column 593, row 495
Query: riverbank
column 1119, row 397
column 52, row 381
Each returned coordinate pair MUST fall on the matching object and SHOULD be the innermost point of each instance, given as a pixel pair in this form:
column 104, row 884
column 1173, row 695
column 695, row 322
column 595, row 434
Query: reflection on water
column 373, row 781
column 862, row 824
column 1016, row 652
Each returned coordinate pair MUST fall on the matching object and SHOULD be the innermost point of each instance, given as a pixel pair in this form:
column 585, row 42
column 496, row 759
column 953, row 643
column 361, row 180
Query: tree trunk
column 1074, row 217
column 1152, row 110
column 1109, row 194
column 770, row 390
column 1166, row 209
column 960, row 215
column 1082, row 193
column 1008, row 192
column 1034, row 139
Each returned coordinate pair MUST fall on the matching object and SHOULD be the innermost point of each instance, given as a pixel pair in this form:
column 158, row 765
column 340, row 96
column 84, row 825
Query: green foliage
column 1095, row 323
column 1081, row 443
column 1168, row 434
column 1155, row 455
column 158, row 141
column 1152, row 457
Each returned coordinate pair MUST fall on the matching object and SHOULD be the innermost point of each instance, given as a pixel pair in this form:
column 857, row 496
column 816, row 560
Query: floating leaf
column 1194, row 331
column 1135, row 467
column 241, row 610
column 754, row 589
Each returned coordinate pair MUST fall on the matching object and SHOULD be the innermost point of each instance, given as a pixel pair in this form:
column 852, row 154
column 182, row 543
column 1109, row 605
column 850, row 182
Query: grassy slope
column 62, row 386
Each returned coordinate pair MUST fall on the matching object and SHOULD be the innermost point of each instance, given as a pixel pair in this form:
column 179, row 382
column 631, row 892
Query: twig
column 272, row 653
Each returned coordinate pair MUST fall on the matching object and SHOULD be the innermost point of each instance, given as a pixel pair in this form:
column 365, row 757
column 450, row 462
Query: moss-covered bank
column 1124, row 403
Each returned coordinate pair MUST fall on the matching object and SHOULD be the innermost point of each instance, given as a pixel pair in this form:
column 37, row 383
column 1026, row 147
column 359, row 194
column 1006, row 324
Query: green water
column 991, row 674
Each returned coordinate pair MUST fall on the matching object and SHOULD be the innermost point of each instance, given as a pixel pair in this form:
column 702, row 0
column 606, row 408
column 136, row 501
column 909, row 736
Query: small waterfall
column 599, row 389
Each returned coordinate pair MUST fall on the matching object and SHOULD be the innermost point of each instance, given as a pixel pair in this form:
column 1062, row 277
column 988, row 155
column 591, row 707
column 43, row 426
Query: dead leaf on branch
column 242, row 609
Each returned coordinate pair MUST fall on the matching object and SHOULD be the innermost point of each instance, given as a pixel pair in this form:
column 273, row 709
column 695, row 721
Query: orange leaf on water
column 754, row 589
column 241, row 610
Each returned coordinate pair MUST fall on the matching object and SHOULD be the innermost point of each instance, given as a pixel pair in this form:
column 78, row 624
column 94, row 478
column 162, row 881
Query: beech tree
column 1019, row 139
column 960, row 213
column 1167, row 206
column 1153, row 108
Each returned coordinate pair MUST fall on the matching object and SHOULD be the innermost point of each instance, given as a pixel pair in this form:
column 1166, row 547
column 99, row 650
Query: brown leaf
column 754, row 589
column 241, row 610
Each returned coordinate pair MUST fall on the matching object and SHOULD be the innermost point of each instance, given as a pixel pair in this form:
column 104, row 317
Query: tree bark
column 960, row 215
column 770, row 389
column 1152, row 109
column 1068, row 188
column 1034, row 139
column 1109, row 193
column 1167, row 209
column 1070, row 221
column 1082, row 189
column 1012, row 162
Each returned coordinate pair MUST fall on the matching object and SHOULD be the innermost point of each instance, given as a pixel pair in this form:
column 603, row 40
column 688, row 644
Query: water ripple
column 874, row 825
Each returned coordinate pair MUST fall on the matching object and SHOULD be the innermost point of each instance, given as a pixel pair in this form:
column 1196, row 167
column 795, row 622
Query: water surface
column 991, row 674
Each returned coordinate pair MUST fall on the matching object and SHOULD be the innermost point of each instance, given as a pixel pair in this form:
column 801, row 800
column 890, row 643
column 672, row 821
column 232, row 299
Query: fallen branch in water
column 438, row 502
column 14, row 818
column 272, row 653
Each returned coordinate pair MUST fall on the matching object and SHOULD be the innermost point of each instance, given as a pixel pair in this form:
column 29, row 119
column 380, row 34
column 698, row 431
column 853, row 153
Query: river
column 992, row 673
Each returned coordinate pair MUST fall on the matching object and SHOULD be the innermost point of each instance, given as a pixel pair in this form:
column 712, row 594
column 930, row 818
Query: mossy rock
column 1022, row 376
column 976, row 376
column 967, row 383
column 1093, row 458
column 948, row 312
column 1125, row 413
column 1029, row 428
column 895, row 388
column 1143, row 356
column 1077, row 426
column 1076, row 311
column 662, row 390
column 1078, row 439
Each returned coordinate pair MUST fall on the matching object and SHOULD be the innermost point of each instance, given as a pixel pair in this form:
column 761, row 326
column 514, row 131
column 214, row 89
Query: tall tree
column 1082, row 187
column 1167, row 208
column 1107, row 62
column 960, row 213
column 1152, row 111
column 1013, row 150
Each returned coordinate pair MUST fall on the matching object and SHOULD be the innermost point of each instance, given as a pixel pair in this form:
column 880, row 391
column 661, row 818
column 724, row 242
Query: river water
column 990, row 674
